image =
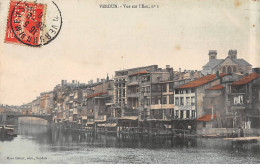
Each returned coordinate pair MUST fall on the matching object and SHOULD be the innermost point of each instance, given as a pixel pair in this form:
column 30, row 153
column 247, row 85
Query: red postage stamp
column 28, row 23
column 25, row 20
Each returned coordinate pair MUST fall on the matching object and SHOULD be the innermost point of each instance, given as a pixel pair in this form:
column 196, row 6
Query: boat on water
column 7, row 131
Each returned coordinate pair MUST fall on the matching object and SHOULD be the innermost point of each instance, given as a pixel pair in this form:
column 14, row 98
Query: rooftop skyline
column 178, row 33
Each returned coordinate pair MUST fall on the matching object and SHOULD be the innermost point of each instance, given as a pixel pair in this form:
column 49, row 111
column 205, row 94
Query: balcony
column 99, row 108
column 176, row 117
column 101, row 118
column 156, row 116
column 162, row 106
column 131, row 113
column 146, row 93
column 108, row 102
column 112, row 119
column 132, row 94
column 134, row 83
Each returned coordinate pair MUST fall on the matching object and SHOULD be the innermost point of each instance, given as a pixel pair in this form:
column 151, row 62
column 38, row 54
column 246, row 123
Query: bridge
column 6, row 117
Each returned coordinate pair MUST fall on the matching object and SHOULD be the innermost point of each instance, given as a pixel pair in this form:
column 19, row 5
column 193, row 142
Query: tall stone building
column 231, row 64
column 245, row 106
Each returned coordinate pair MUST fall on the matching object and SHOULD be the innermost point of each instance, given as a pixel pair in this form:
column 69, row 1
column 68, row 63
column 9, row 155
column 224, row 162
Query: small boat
column 245, row 141
column 7, row 131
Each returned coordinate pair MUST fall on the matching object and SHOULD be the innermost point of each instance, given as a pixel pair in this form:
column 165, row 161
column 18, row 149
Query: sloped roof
column 213, row 63
column 96, row 94
column 200, row 81
column 140, row 72
column 217, row 87
column 246, row 79
column 241, row 62
column 206, row 118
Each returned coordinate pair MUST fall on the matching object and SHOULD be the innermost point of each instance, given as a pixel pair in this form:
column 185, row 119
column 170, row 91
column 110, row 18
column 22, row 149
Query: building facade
column 245, row 106
column 231, row 64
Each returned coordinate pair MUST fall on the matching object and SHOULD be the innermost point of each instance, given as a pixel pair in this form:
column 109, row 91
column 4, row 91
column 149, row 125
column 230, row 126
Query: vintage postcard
column 129, row 82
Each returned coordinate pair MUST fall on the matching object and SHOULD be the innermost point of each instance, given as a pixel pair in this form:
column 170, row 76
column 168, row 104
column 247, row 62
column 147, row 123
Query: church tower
column 212, row 54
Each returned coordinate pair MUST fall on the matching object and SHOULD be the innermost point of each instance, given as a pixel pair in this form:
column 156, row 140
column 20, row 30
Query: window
column 193, row 114
column 187, row 101
column 224, row 69
column 171, row 99
column 143, row 89
column 142, row 102
column 238, row 99
column 181, row 116
column 176, row 91
column 154, row 88
column 229, row 97
column 158, row 100
column 181, row 101
column 148, row 89
column 186, row 91
column 148, row 78
column 234, row 69
column 170, row 87
column 152, row 113
column 148, row 101
column 192, row 100
column 187, row 113
column 164, row 88
column 176, row 114
column 153, row 100
column 229, row 70
column 192, row 90
column 145, row 79
column 229, row 109
column 159, row 89
column 181, row 91
column 164, row 100
column 204, row 124
column 171, row 112
column 176, row 101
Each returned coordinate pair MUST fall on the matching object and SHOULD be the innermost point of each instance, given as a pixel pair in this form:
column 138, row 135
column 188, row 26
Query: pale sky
column 95, row 41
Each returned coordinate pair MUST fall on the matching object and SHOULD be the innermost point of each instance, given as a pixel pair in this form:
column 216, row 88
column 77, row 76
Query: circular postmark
column 35, row 24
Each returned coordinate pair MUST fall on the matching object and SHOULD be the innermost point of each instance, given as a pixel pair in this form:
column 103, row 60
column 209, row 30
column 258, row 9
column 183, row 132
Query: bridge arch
column 48, row 118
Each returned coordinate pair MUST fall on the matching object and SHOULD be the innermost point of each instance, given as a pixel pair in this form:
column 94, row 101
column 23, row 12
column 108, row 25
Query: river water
column 42, row 144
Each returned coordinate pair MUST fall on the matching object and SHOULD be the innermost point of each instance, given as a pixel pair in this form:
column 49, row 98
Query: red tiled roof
column 217, row 87
column 200, row 81
column 246, row 79
column 206, row 117
column 96, row 94
column 140, row 72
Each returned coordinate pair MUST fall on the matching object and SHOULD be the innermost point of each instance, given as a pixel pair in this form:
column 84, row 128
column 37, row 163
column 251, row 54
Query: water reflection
column 47, row 135
column 66, row 146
